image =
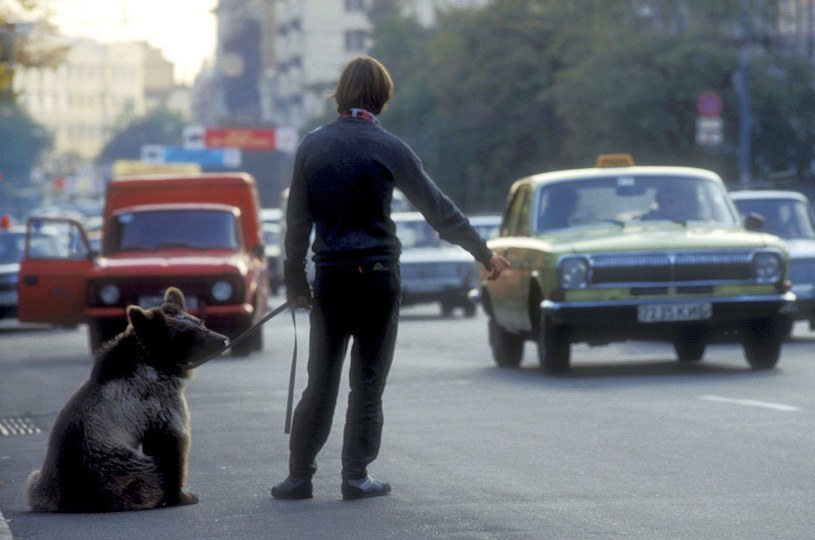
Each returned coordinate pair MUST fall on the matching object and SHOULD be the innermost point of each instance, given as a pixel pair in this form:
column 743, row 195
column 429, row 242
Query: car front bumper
column 618, row 319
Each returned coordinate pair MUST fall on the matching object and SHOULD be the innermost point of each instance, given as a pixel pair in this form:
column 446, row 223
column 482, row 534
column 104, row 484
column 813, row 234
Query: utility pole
column 741, row 81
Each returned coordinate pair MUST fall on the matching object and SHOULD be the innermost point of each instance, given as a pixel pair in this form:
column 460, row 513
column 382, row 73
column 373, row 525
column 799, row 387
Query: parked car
column 12, row 250
column 433, row 271
column 487, row 226
column 272, row 245
column 789, row 215
column 605, row 254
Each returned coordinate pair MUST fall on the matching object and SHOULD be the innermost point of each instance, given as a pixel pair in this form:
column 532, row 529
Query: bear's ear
column 173, row 295
column 142, row 319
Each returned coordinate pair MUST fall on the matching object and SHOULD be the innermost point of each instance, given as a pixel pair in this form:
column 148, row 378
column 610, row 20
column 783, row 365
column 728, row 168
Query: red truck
column 200, row 233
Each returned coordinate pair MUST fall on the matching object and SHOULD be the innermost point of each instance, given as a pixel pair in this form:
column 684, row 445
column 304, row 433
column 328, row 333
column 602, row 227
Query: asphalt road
column 628, row 445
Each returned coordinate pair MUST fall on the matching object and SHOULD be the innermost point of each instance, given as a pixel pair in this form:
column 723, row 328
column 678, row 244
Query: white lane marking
column 752, row 403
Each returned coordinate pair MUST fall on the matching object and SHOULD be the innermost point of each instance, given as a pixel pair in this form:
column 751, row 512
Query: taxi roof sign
column 614, row 160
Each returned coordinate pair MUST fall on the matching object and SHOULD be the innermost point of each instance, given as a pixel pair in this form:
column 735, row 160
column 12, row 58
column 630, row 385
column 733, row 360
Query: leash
column 269, row 316
column 272, row 314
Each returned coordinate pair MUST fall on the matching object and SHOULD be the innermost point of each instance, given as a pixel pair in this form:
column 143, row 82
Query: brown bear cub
column 122, row 440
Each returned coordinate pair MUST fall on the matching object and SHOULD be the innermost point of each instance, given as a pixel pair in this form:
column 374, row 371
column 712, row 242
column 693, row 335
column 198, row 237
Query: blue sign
column 206, row 157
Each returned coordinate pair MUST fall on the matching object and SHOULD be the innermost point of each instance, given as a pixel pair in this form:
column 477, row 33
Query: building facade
column 97, row 88
column 315, row 39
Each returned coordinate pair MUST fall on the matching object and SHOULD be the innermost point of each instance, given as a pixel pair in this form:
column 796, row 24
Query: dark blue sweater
column 343, row 181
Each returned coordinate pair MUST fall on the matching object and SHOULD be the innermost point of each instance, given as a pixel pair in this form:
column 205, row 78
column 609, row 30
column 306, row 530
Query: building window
column 355, row 40
column 354, row 5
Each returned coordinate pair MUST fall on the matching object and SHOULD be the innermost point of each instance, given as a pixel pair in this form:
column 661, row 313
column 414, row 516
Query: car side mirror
column 754, row 222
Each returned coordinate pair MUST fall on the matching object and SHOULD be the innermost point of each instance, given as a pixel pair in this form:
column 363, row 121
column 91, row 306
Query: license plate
column 674, row 312
column 148, row 301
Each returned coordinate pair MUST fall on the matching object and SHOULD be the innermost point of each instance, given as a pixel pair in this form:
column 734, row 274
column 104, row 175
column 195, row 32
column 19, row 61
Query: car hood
column 9, row 268
column 438, row 254
column 175, row 263
column 644, row 237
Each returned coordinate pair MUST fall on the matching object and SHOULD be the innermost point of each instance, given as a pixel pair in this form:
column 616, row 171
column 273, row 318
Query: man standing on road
column 344, row 176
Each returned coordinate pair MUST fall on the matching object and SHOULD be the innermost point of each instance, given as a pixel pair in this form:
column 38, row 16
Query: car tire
column 507, row 348
column 787, row 327
column 690, row 345
column 762, row 342
column 554, row 347
column 469, row 309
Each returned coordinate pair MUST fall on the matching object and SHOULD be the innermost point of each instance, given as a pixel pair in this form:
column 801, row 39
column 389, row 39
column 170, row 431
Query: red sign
column 709, row 104
column 245, row 139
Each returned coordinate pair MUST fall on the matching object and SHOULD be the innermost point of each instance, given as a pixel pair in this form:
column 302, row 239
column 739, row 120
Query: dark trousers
column 360, row 303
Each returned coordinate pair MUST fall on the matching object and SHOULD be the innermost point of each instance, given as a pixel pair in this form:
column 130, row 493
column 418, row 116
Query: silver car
column 433, row 270
column 788, row 215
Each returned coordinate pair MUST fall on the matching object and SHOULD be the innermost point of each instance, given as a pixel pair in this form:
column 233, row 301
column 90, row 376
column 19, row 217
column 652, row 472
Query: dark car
column 788, row 215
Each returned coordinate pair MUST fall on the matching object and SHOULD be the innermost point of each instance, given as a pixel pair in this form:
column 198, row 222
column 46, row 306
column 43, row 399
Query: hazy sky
column 183, row 29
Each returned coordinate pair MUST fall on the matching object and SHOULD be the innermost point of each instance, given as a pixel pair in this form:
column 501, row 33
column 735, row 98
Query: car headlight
column 109, row 294
column 573, row 272
column 767, row 267
column 222, row 291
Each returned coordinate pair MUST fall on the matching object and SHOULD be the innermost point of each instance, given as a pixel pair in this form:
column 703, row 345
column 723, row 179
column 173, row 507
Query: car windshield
column 168, row 229
column 42, row 246
column 417, row 234
column 271, row 233
column 787, row 218
column 11, row 248
column 631, row 198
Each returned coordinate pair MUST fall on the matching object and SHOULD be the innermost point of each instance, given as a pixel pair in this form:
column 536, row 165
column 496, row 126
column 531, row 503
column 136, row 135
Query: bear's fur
column 121, row 442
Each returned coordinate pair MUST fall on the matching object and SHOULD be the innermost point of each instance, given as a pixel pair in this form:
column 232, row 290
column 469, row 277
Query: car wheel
column 507, row 348
column 554, row 347
column 469, row 309
column 762, row 342
column 690, row 345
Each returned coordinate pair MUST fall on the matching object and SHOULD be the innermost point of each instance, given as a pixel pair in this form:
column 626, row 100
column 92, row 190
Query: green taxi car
column 619, row 253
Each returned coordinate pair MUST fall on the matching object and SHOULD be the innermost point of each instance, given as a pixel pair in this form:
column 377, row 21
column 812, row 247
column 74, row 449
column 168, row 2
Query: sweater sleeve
column 437, row 208
column 298, row 232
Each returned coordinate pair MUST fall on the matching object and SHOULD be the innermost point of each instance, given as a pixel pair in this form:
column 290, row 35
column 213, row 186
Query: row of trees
column 22, row 140
column 525, row 86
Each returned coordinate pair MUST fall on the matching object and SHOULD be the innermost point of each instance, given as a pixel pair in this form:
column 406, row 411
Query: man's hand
column 498, row 263
column 303, row 302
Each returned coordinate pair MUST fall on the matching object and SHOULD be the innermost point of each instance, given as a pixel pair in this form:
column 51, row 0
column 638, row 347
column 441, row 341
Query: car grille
column 675, row 268
column 135, row 289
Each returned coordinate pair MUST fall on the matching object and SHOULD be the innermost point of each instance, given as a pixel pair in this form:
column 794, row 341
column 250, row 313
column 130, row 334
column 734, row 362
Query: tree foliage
column 158, row 126
column 522, row 86
column 22, row 140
